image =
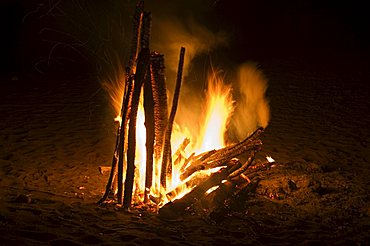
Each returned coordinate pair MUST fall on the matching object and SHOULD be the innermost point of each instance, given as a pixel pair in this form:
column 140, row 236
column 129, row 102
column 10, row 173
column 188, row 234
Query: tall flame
column 218, row 109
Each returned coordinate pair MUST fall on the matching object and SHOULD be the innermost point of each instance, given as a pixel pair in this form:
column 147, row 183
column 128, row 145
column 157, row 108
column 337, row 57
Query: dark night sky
column 78, row 31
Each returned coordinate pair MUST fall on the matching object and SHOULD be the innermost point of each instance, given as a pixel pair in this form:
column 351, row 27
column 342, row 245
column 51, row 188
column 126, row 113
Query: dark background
column 71, row 37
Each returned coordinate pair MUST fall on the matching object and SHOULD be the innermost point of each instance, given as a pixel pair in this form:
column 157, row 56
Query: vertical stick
column 149, row 125
column 136, row 35
column 160, row 105
column 166, row 169
column 145, row 30
column 142, row 67
column 125, row 112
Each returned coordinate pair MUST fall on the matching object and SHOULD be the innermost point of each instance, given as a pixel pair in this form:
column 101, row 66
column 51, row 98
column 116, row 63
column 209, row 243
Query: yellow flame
column 115, row 87
column 218, row 110
column 219, row 105
column 140, row 158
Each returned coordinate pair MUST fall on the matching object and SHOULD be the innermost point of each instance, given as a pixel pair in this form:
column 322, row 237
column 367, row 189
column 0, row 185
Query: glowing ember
column 212, row 189
column 270, row 159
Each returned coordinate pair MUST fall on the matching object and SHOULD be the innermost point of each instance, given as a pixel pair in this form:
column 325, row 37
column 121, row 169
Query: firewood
column 136, row 33
column 125, row 110
column 187, row 161
column 166, row 168
column 232, row 165
column 125, row 113
column 175, row 209
column 179, row 152
column 149, row 126
column 212, row 162
column 142, row 67
column 145, row 30
column 213, row 158
column 245, row 166
column 230, row 149
column 160, row 102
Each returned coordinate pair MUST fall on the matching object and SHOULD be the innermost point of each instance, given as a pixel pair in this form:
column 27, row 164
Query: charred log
column 136, row 31
column 166, row 169
column 212, row 162
column 160, row 102
column 175, row 209
column 149, row 126
column 142, row 67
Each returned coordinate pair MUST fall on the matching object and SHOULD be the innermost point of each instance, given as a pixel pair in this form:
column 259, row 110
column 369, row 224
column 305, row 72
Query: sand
column 56, row 131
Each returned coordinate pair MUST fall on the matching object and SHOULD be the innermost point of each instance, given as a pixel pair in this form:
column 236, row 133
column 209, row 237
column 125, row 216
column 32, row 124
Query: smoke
column 169, row 35
column 252, row 108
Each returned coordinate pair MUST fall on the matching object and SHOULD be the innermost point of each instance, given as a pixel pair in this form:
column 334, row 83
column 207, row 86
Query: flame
column 218, row 109
column 270, row 159
column 115, row 87
column 140, row 159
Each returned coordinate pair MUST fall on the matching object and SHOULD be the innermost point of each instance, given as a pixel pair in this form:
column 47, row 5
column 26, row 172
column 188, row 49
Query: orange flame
column 219, row 107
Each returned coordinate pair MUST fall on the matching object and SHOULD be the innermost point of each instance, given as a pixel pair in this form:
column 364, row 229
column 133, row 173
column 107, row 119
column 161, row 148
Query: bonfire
column 157, row 165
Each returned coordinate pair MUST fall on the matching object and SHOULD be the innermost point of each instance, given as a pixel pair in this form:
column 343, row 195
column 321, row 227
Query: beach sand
column 56, row 131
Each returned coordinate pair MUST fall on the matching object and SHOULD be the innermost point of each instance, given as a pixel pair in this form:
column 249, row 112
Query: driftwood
column 166, row 168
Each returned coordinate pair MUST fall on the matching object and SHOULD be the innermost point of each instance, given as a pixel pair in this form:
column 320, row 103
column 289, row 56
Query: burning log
column 142, row 67
column 146, row 29
column 178, row 154
column 166, row 170
column 149, row 126
column 125, row 114
column 148, row 110
column 212, row 162
column 135, row 42
column 176, row 208
column 118, row 159
column 244, row 167
column 227, row 173
column 117, row 162
column 173, row 210
column 160, row 102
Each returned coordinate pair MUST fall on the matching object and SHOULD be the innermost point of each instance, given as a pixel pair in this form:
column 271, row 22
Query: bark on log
column 211, row 162
column 230, row 149
column 245, row 166
column 175, row 209
column 179, row 152
column 166, row 168
column 125, row 114
column 136, row 34
column 160, row 102
column 145, row 30
column 149, row 126
column 142, row 67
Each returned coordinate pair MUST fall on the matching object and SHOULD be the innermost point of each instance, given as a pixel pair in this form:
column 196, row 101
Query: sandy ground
column 54, row 133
